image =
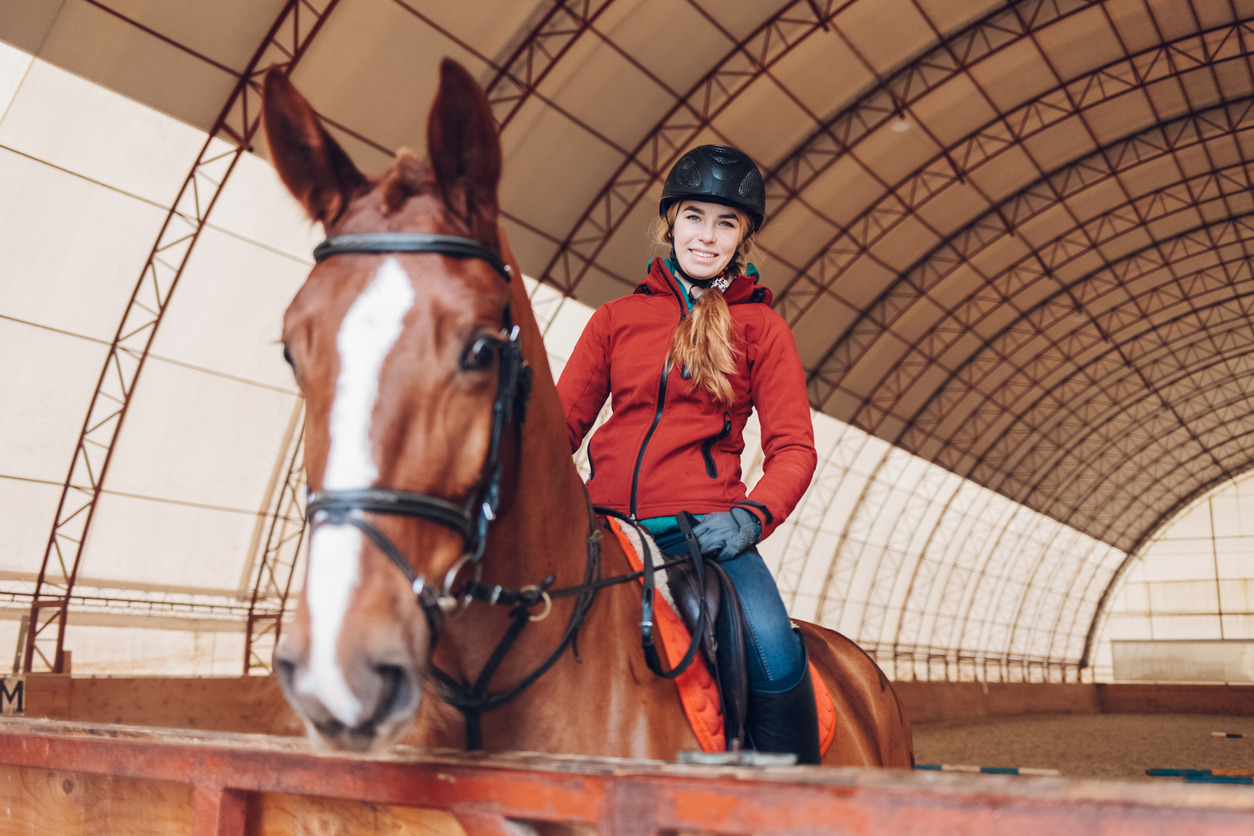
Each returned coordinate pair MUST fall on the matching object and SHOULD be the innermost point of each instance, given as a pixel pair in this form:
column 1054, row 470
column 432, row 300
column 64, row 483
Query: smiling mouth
column 703, row 254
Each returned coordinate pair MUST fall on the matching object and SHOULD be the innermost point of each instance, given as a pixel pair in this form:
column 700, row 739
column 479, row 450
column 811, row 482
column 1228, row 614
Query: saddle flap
column 733, row 664
column 728, row 662
column 681, row 578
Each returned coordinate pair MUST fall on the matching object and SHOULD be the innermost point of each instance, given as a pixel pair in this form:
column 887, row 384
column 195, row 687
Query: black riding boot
column 786, row 722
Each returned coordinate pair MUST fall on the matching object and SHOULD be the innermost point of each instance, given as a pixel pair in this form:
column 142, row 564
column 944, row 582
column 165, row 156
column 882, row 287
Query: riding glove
column 729, row 533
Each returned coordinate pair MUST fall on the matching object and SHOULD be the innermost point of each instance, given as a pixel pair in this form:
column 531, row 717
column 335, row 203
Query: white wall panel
column 255, row 205
column 227, row 313
column 167, row 543
column 13, row 66
column 73, row 250
column 46, row 379
column 27, row 510
column 85, row 129
column 1193, row 580
column 199, row 438
column 135, row 651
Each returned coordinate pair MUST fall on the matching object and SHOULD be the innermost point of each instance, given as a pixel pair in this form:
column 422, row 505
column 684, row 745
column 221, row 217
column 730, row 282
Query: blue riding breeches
column 775, row 656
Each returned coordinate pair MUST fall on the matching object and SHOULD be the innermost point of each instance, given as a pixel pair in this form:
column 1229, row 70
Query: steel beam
column 231, row 135
column 276, row 567
column 537, row 54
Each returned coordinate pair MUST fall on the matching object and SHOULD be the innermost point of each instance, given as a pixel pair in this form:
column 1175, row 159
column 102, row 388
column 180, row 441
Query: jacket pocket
column 706, row 447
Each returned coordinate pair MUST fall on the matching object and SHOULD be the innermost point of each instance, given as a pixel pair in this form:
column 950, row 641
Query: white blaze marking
column 367, row 334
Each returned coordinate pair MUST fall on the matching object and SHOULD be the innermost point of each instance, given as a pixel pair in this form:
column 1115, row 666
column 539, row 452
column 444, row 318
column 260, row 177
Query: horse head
column 399, row 355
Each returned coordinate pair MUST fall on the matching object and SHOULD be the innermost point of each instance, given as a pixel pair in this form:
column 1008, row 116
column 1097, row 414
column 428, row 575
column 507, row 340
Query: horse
column 446, row 510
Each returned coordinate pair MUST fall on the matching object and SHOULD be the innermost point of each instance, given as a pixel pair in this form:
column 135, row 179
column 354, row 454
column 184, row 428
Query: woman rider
column 686, row 358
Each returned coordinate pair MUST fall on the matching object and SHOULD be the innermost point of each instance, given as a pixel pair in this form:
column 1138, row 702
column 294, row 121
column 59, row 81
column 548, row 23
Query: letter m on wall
column 12, row 695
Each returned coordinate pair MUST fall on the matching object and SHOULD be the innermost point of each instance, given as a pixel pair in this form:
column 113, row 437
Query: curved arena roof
column 1011, row 239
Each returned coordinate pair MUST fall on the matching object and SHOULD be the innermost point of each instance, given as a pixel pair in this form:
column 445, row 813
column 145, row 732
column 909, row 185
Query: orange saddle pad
column 697, row 689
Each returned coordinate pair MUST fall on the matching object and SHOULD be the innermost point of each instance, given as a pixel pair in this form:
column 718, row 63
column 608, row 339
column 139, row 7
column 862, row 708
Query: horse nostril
column 286, row 673
column 395, row 692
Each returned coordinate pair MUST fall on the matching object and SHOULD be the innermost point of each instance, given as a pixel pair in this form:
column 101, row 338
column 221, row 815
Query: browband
column 410, row 242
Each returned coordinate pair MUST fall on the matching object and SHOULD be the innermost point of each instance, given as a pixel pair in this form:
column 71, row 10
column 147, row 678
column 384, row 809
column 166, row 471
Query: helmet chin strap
column 721, row 281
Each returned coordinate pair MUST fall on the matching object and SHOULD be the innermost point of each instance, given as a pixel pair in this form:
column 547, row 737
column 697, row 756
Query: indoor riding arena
column 1013, row 241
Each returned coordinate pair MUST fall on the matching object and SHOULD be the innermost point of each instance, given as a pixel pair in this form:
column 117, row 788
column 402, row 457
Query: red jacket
column 669, row 447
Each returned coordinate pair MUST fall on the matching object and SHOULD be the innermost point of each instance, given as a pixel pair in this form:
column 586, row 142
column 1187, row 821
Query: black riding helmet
column 717, row 174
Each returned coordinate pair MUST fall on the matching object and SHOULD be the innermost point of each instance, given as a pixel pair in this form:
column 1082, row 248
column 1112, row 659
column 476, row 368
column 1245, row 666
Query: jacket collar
column 744, row 288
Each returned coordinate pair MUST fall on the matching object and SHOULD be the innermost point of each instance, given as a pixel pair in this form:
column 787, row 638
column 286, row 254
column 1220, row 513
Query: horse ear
column 310, row 163
column 465, row 149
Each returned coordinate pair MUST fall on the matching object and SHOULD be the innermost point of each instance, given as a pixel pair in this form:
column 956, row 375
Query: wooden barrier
column 932, row 701
column 255, row 704
column 1167, row 698
column 85, row 778
column 245, row 704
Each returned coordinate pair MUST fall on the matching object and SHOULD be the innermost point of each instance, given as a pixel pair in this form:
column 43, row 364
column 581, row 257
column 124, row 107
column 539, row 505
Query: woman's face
column 706, row 236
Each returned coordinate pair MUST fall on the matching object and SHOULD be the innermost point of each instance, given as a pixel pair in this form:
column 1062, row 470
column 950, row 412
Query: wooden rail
column 93, row 778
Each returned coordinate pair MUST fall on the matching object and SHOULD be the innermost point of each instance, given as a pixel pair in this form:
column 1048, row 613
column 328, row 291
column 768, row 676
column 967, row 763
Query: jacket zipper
column 657, row 413
column 710, row 469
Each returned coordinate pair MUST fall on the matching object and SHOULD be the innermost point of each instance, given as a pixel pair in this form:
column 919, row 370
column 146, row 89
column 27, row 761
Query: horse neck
column 543, row 525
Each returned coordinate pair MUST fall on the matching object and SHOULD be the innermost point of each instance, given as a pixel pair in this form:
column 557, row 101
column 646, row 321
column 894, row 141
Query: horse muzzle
column 369, row 708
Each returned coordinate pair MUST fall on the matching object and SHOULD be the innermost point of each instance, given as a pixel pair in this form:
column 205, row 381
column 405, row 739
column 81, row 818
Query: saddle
column 728, row 664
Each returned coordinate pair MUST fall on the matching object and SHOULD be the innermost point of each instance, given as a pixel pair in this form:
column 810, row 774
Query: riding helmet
column 718, row 174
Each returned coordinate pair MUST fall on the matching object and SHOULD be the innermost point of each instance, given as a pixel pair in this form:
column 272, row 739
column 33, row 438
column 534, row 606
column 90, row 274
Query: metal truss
column 747, row 61
column 91, row 600
column 1116, row 365
column 1045, row 265
column 539, row 52
column 275, row 570
column 810, row 516
column 983, row 146
column 232, row 133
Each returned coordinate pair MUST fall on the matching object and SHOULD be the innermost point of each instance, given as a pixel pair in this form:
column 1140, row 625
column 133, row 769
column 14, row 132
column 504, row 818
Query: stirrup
column 742, row 757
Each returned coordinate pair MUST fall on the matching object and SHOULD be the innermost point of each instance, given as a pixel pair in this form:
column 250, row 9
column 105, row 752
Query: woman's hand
column 729, row 533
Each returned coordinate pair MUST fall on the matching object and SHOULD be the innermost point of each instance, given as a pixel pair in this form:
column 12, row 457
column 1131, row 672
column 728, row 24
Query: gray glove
column 729, row 533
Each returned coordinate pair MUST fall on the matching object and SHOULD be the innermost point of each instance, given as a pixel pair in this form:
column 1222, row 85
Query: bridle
column 472, row 520
column 509, row 409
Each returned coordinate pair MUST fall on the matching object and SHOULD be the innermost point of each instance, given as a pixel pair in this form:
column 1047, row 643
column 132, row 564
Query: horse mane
column 408, row 177
column 411, row 177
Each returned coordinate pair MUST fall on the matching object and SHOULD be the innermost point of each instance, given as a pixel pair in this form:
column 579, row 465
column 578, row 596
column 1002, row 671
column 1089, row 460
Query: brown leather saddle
column 728, row 663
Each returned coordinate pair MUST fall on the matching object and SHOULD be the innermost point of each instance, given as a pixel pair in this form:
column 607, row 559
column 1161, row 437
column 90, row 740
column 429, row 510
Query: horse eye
column 287, row 355
column 479, row 354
